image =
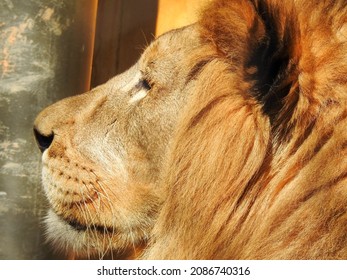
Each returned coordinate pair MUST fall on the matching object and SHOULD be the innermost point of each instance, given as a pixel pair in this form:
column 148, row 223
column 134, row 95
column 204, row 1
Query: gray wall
column 45, row 55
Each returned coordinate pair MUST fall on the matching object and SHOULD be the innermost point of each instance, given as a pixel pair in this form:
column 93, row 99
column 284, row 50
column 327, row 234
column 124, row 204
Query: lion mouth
column 78, row 226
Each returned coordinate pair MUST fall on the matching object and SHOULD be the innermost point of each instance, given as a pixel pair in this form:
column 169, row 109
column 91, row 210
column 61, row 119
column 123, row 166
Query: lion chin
column 65, row 236
column 82, row 242
column 226, row 140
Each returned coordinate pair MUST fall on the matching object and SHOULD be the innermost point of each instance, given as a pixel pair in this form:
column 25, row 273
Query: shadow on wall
column 46, row 52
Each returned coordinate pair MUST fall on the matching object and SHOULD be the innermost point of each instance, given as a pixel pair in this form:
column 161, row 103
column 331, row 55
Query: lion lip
column 81, row 227
column 76, row 225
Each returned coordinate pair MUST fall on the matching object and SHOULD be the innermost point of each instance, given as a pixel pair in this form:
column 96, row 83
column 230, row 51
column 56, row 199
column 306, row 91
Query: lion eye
column 144, row 83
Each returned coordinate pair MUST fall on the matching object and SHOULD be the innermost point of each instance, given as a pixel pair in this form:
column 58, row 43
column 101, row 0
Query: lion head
column 226, row 140
column 103, row 151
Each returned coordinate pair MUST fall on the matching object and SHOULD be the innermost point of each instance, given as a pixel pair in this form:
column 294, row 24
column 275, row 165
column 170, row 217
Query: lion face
column 103, row 151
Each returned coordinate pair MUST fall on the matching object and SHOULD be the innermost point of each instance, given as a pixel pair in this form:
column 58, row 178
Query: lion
column 226, row 140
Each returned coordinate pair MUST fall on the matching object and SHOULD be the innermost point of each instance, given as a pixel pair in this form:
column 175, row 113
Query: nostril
column 43, row 141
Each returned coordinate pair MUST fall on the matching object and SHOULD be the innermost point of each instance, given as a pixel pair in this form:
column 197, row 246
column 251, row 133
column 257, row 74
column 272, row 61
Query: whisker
column 85, row 233
column 107, row 203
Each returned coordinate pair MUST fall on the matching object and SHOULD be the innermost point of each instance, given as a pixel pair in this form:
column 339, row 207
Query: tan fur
column 237, row 151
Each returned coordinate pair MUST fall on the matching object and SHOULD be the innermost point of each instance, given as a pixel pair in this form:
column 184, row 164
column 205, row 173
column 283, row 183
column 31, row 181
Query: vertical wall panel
column 178, row 13
column 124, row 28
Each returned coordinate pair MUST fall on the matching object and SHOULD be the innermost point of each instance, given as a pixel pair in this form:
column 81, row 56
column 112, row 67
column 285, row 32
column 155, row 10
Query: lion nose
column 43, row 141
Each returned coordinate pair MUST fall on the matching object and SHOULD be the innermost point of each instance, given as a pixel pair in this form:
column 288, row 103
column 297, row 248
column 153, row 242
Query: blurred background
column 51, row 49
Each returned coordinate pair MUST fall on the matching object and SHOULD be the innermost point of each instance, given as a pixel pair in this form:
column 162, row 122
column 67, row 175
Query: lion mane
column 258, row 165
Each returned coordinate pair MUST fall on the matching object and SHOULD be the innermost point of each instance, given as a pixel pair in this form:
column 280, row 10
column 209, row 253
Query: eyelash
column 144, row 83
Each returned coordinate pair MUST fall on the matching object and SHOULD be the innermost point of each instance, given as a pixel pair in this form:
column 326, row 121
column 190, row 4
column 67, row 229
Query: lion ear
column 259, row 39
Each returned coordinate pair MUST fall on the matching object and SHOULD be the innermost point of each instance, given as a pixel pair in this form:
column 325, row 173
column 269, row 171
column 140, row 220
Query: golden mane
column 258, row 166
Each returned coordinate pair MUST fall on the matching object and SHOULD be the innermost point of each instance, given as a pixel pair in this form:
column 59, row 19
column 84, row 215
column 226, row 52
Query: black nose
column 43, row 141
